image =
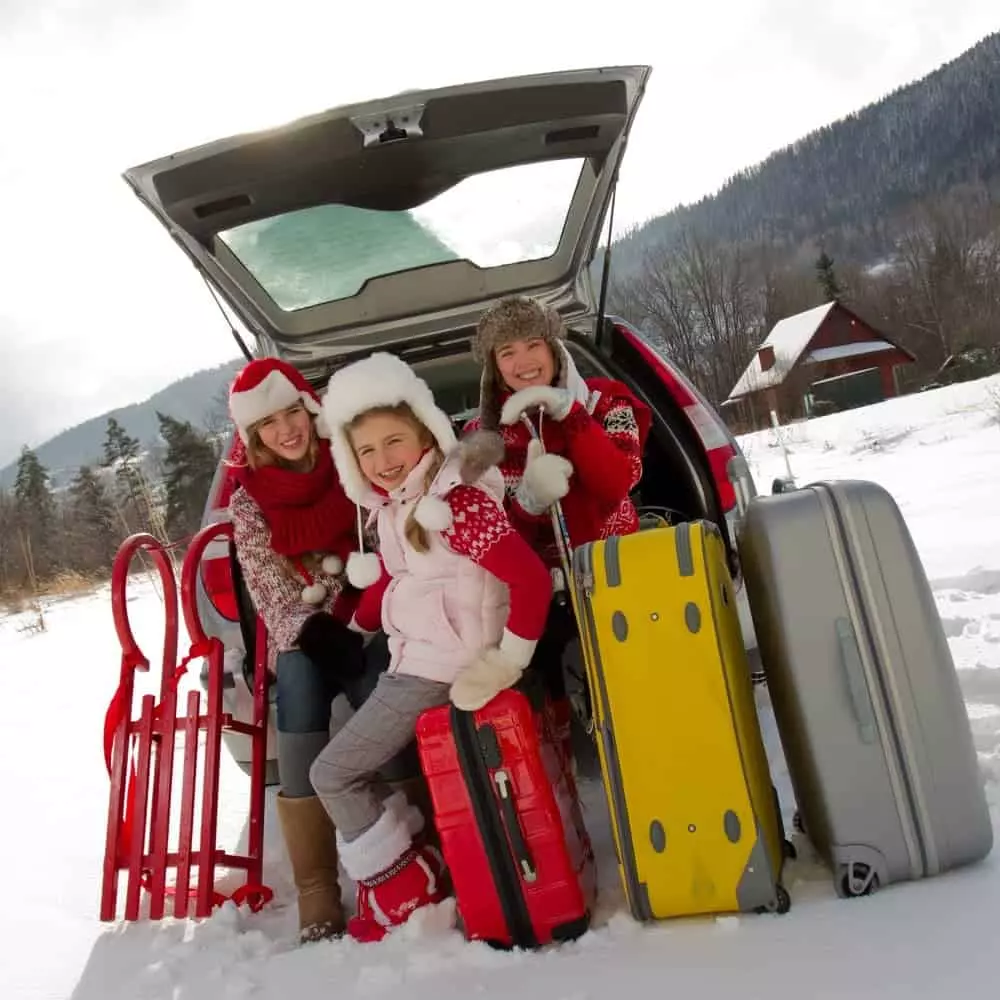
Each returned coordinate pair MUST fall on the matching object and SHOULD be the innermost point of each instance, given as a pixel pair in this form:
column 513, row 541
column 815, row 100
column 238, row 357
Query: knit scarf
column 306, row 511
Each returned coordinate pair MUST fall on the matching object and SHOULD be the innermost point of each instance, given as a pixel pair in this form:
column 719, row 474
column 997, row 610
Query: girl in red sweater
column 592, row 432
column 589, row 456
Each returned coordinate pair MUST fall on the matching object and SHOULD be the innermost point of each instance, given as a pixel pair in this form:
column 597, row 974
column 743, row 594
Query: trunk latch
column 390, row 125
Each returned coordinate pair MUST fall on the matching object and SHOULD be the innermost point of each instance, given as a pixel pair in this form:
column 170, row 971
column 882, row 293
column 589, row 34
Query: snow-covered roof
column 849, row 350
column 789, row 338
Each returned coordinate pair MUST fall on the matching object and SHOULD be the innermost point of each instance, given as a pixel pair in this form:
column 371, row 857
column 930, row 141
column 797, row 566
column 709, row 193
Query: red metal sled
column 140, row 754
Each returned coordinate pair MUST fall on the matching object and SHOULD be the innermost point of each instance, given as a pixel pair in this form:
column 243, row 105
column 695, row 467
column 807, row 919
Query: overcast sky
column 97, row 306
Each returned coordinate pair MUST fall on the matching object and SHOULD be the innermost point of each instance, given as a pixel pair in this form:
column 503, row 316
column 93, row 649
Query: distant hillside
column 190, row 398
column 846, row 183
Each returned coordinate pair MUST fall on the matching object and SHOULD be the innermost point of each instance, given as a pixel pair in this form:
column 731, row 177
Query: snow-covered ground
column 938, row 453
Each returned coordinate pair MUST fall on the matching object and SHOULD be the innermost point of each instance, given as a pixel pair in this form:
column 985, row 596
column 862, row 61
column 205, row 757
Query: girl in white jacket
column 461, row 596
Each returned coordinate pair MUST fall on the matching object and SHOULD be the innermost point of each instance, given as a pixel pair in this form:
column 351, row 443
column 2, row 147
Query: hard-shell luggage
column 508, row 815
column 694, row 813
column 864, row 689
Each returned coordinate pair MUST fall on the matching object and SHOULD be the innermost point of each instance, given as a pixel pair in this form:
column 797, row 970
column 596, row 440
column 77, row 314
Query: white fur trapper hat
column 379, row 380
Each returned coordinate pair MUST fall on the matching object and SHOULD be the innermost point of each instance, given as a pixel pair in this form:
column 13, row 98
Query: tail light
column 707, row 425
column 216, row 572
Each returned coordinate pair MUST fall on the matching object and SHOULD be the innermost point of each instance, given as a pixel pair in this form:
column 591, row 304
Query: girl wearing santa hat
column 293, row 527
column 461, row 596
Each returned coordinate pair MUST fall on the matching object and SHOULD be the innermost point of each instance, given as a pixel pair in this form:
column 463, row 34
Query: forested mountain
column 849, row 184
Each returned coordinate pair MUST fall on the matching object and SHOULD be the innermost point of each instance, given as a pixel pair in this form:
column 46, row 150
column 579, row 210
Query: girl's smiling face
column 524, row 363
column 388, row 447
column 287, row 433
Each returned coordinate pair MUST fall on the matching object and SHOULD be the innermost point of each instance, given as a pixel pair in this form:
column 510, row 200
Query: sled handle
column 189, row 577
column 133, row 656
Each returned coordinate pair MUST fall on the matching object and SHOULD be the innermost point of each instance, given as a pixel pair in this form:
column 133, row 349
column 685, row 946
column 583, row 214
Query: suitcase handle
column 513, row 827
column 857, row 686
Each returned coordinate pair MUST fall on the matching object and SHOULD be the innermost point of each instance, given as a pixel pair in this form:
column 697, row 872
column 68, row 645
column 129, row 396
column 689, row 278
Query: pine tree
column 121, row 453
column 827, row 278
column 9, row 557
column 134, row 501
column 189, row 468
column 35, row 511
column 92, row 522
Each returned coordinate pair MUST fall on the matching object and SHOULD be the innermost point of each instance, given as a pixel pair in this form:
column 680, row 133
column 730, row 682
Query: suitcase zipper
column 512, row 824
column 889, row 688
column 844, row 540
column 470, row 744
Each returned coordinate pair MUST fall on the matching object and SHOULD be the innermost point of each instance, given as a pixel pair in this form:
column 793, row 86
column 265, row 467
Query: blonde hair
column 414, row 532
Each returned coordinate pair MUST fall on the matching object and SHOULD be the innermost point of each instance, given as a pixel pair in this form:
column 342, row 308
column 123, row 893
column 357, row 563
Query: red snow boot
column 393, row 875
column 389, row 899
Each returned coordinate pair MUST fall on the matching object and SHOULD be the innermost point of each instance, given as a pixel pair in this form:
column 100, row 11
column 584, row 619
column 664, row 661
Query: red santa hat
column 381, row 380
column 265, row 386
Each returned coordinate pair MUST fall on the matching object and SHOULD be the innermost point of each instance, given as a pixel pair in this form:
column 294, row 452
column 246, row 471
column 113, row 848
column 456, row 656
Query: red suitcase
column 508, row 815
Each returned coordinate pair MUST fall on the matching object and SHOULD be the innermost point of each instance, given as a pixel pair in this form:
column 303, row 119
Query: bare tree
column 218, row 425
column 704, row 300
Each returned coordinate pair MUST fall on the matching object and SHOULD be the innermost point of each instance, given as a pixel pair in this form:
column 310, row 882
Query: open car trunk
column 368, row 225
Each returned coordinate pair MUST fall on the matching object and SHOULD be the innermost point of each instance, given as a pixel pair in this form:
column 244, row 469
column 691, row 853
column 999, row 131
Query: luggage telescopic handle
column 857, row 686
column 559, row 528
column 513, row 826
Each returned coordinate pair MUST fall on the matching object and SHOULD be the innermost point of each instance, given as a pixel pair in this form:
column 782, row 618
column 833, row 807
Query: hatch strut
column 606, row 269
column 232, row 329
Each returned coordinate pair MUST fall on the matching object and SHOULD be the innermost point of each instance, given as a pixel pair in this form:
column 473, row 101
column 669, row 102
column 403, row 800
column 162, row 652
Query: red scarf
column 306, row 511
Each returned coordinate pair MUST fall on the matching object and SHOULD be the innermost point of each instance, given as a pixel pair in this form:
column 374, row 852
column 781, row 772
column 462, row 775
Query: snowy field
column 938, row 453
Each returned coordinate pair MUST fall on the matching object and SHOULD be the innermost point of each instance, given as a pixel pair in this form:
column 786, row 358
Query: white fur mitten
column 490, row 673
column 545, row 480
column 556, row 402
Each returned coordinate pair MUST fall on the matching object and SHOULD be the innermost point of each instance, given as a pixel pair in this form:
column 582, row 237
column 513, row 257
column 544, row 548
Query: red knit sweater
column 605, row 448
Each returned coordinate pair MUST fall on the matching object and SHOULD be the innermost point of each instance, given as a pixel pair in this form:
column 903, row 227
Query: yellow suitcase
column 693, row 809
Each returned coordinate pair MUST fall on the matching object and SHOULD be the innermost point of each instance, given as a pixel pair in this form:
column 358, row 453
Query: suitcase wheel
column 782, row 902
column 789, row 850
column 856, row 879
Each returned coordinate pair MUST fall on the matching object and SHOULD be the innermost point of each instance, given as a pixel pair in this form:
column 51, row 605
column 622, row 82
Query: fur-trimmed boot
column 415, row 793
column 394, row 877
column 311, row 843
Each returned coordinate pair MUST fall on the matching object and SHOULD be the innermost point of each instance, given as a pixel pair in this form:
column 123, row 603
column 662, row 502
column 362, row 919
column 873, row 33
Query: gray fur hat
column 516, row 317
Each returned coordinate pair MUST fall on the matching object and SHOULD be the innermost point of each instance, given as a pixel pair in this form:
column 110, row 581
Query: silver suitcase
column 865, row 694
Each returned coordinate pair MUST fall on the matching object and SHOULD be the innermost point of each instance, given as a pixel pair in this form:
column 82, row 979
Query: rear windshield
column 328, row 252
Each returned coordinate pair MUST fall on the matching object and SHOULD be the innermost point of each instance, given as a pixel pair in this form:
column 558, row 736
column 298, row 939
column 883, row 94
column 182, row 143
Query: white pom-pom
column 433, row 513
column 332, row 565
column 314, row 593
column 363, row 569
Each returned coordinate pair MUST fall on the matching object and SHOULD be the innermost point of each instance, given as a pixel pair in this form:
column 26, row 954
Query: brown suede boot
column 312, row 850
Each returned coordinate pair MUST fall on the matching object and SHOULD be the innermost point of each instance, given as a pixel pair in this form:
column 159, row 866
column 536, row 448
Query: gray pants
column 345, row 773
